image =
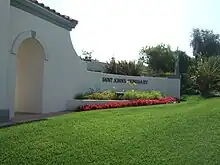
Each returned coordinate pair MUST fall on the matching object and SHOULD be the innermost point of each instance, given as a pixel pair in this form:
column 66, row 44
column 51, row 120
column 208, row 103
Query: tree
column 159, row 58
column 130, row 68
column 184, row 61
column 204, row 70
column 111, row 66
column 123, row 67
column 205, row 43
column 87, row 55
column 208, row 75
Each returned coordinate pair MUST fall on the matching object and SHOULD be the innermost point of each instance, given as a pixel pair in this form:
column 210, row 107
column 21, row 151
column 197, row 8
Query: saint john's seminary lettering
column 118, row 80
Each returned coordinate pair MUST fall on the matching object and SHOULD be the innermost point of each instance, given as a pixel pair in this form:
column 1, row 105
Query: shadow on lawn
column 13, row 123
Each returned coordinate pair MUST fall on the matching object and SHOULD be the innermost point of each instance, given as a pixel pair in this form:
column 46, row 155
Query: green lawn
column 182, row 134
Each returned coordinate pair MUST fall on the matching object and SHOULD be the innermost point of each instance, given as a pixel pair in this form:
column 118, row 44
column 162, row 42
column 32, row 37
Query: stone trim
column 42, row 13
column 25, row 35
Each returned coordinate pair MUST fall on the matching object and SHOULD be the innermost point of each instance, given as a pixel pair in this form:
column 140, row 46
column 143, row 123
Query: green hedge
column 134, row 95
column 128, row 95
column 105, row 95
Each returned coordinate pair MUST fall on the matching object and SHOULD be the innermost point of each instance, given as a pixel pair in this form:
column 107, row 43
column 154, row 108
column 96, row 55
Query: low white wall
column 94, row 80
column 97, row 81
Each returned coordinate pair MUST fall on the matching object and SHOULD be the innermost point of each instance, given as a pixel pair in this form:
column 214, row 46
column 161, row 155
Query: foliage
column 188, row 86
column 87, row 56
column 184, row 61
column 93, row 90
column 166, row 74
column 130, row 68
column 192, row 67
column 163, row 62
column 191, row 98
column 129, row 103
column 159, row 58
column 105, row 95
column 81, row 96
column 123, row 67
column 111, row 66
column 208, row 75
column 205, row 43
column 128, row 95
column 134, row 95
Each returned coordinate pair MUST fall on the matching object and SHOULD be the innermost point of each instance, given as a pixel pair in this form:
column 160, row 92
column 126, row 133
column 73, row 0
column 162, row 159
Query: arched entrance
column 29, row 77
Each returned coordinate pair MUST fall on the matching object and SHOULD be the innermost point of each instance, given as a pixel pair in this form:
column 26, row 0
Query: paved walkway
column 21, row 118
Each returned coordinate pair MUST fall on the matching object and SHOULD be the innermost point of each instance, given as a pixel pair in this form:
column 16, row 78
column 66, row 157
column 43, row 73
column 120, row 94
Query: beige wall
column 29, row 77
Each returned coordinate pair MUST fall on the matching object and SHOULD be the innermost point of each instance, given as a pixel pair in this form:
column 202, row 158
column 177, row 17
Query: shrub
column 81, row 96
column 166, row 74
column 106, row 95
column 134, row 95
column 128, row 95
column 208, row 75
column 188, row 86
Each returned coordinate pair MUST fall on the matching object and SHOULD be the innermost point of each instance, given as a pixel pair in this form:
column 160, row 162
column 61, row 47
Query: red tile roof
column 54, row 11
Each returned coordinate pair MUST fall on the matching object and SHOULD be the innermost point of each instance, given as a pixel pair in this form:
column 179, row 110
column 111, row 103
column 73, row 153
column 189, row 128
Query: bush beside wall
column 128, row 95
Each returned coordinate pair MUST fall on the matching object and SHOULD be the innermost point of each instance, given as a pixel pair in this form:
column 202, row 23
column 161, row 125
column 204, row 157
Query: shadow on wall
column 95, row 66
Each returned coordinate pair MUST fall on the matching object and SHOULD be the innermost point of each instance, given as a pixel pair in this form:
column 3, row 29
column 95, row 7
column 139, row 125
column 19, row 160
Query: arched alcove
column 29, row 76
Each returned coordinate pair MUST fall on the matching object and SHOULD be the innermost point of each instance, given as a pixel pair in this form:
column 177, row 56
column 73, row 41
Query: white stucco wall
column 65, row 74
column 4, row 29
column 63, row 68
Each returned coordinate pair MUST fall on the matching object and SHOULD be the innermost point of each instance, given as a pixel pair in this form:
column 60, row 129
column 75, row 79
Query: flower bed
column 125, row 95
column 130, row 103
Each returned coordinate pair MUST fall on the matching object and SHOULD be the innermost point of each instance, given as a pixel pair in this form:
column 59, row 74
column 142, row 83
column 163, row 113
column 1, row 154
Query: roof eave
column 43, row 13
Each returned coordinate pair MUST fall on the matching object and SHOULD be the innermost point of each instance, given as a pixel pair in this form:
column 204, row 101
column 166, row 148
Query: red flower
column 127, row 104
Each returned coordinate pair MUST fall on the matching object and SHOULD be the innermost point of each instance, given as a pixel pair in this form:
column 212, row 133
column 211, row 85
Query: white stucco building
column 39, row 68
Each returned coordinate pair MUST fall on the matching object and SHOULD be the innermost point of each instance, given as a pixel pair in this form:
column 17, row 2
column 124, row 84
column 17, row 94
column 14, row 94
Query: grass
column 182, row 134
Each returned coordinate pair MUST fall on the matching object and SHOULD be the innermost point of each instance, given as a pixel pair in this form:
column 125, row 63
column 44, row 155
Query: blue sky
column 122, row 27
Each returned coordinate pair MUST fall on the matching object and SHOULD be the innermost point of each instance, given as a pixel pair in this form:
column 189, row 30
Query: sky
column 120, row 28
